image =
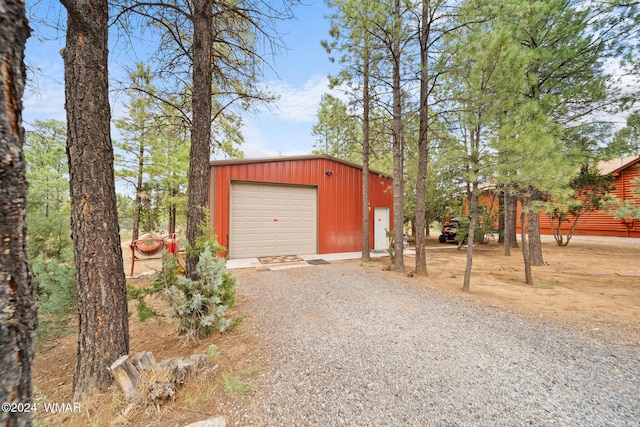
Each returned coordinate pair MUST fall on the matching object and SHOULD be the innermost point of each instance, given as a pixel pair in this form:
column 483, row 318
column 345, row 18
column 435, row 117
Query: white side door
column 381, row 224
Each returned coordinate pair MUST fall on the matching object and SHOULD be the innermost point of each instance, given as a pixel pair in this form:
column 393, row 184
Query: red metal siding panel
column 339, row 196
column 340, row 208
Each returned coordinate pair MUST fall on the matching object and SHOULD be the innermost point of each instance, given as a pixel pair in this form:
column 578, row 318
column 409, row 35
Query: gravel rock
column 352, row 345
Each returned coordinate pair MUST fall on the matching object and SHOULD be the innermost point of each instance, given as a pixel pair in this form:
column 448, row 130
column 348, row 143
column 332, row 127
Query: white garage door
column 272, row 220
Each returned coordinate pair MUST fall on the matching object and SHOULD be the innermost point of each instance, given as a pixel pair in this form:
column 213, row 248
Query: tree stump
column 164, row 365
column 180, row 371
column 173, row 373
column 160, row 392
column 144, row 361
column 126, row 375
column 200, row 361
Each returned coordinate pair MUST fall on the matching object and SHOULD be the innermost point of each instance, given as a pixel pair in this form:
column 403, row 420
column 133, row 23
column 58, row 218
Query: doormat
column 279, row 259
column 317, row 261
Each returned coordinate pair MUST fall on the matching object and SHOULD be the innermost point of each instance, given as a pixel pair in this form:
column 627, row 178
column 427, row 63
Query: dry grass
column 198, row 399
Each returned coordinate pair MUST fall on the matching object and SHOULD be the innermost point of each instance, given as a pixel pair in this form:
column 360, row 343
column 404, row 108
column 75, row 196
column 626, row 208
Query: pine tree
column 102, row 300
column 17, row 287
column 140, row 132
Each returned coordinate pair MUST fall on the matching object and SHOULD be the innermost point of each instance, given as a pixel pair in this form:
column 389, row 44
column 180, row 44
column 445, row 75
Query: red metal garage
column 296, row 205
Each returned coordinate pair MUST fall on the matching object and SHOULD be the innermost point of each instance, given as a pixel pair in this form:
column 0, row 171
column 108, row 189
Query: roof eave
column 627, row 165
column 292, row 158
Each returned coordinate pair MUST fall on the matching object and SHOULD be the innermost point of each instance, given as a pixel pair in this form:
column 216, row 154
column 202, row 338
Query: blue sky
column 303, row 71
column 282, row 129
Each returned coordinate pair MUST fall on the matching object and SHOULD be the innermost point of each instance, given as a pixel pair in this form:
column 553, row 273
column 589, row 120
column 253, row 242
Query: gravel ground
column 352, row 345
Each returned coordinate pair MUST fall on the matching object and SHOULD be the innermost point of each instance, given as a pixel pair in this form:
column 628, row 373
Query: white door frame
column 381, row 224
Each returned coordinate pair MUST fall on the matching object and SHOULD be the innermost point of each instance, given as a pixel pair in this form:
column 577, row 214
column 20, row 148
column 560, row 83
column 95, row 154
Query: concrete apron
column 302, row 260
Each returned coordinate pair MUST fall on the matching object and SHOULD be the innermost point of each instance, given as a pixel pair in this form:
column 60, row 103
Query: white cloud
column 626, row 82
column 44, row 101
column 299, row 104
column 255, row 144
column 272, row 138
column 284, row 128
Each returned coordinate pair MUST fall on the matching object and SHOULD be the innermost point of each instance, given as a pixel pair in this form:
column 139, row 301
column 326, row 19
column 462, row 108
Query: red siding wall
column 600, row 223
column 489, row 200
column 339, row 196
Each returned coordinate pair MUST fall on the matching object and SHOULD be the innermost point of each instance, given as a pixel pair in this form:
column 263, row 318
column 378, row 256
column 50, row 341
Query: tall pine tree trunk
column 366, row 255
column 533, row 218
column 172, row 218
column 398, row 146
column 501, row 216
column 423, row 146
column 511, row 219
column 507, row 228
column 18, row 318
column 473, row 213
column 197, row 192
column 526, row 253
column 138, row 200
column 535, row 242
column 102, row 299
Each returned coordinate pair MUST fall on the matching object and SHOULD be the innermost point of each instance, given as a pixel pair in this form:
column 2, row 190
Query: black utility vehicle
column 450, row 230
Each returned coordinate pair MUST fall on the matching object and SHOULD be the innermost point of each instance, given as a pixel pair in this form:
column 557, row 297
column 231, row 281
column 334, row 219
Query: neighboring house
column 296, row 205
column 601, row 223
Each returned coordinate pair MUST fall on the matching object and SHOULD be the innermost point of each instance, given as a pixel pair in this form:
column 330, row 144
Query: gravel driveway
column 353, row 345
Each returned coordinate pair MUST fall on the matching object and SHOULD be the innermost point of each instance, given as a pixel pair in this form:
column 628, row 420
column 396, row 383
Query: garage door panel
column 272, row 220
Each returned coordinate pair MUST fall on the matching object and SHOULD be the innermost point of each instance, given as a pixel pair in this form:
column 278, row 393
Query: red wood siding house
column 295, row 205
column 601, row 223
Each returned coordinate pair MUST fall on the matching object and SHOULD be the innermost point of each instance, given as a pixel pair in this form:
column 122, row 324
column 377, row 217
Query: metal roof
column 615, row 165
column 293, row 158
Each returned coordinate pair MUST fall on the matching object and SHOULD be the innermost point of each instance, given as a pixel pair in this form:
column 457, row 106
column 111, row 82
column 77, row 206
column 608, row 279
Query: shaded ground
column 580, row 288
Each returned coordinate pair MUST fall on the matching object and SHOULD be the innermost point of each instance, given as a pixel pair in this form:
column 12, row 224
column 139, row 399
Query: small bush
column 480, row 231
column 56, row 296
column 139, row 294
column 200, row 305
column 213, row 352
column 233, row 384
column 391, row 250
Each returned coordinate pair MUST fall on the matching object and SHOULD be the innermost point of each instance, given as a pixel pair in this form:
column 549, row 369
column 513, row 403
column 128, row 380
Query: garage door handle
column 275, row 220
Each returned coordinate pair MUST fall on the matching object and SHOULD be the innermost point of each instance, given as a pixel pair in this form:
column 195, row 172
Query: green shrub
column 206, row 240
column 480, row 230
column 200, row 305
column 213, row 352
column 233, row 384
column 56, row 296
column 390, row 250
column 138, row 294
